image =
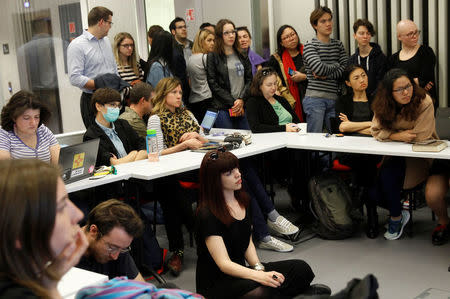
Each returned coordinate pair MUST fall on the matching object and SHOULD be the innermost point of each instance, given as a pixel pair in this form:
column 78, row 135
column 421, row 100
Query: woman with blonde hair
column 200, row 97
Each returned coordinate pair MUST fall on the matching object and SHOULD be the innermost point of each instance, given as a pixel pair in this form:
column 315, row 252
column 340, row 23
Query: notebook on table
column 78, row 161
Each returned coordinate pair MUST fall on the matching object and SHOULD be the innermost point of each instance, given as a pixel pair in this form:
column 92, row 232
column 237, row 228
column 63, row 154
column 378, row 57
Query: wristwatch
column 258, row 267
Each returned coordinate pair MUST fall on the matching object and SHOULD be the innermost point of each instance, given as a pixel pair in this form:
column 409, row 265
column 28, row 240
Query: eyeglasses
column 289, row 36
column 181, row 27
column 110, row 23
column 401, row 89
column 114, row 105
column 231, row 32
column 127, row 45
column 112, row 248
column 413, row 33
column 215, row 154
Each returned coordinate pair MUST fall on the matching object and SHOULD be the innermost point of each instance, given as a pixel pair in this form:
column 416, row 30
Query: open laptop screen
column 208, row 120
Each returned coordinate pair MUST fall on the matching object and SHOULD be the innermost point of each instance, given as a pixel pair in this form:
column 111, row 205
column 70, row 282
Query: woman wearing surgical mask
column 119, row 143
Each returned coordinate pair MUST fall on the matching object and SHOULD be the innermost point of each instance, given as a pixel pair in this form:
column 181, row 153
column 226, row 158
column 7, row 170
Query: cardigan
column 262, row 117
column 424, row 127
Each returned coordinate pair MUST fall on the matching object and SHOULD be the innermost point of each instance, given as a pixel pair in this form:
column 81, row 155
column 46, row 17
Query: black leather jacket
column 219, row 82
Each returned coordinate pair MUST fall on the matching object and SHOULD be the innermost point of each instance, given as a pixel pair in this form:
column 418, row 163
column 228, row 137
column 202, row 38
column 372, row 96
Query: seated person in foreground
column 177, row 129
column 23, row 134
column 266, row 111
column 119, row 143
column 404, row 112
column 41, row 237
column 140, row 105
column 435, row 192
column 111, row 227
column 224, row 241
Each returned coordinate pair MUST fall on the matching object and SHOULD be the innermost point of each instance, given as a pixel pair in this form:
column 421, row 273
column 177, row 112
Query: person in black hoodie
column 368, row 55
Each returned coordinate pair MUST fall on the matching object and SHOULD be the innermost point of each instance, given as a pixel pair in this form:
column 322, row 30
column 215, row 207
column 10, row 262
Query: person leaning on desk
column 119, row 143
column 404, row 112
column 23, row 134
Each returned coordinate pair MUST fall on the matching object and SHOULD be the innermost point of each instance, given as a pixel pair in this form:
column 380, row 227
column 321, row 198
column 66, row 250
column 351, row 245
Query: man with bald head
column 418, row 60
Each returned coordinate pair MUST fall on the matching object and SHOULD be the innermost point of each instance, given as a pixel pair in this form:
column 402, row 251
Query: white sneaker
column 282, row 226
column 276, row 245
column 395, row 231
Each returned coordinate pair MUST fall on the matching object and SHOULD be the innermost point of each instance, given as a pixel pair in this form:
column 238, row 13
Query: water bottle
column 152, row 146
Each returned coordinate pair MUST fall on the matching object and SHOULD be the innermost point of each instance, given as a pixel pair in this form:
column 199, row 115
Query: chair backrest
column 443, row 122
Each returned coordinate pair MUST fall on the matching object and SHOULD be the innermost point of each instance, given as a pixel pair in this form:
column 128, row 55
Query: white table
column 76, row 279
column 360, row 145
column 87, row 183
column 261, row 143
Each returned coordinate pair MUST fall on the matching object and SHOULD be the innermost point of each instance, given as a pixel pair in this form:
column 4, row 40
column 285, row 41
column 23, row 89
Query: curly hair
column 18, row 104
column 386, row 108
column 365, row 23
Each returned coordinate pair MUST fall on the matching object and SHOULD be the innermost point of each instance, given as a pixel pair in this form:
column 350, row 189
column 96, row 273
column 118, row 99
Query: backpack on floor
column 331, row 205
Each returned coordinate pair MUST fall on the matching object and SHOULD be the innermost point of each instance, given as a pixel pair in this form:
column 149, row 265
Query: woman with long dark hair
column 224, row 240
column 41, row 238
column 229, row 76
column 288, row 62
column 160, row 59
column 403, row 112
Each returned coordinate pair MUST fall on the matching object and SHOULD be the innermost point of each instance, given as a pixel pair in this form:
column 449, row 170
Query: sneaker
column 282, row 226
column 175, row 263
column 395, row 229
column 440, row 235
column 276, row 245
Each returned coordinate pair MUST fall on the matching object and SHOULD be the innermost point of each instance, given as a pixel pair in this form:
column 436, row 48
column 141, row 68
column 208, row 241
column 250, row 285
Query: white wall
column 238, row 11
column 295, row 13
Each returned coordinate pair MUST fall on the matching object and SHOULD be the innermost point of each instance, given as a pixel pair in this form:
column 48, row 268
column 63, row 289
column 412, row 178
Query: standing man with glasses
column 418, row 60
column 325, row 59
column 89, row 56
column 178, row 29
column 111, row 227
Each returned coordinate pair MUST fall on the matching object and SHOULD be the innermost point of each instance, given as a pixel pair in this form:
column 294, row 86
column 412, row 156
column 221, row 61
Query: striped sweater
column 324, row 60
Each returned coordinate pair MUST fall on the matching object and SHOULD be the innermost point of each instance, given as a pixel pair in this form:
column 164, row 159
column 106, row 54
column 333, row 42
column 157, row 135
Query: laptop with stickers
column 78, row 161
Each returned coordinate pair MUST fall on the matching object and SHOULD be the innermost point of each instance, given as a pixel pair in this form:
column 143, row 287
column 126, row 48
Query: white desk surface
column 361, row 145
column 76, row 279
column 261, row 143
column 87, row 183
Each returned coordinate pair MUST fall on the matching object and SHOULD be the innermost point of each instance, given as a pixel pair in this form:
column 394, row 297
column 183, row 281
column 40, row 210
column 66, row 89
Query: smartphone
column 290, row 71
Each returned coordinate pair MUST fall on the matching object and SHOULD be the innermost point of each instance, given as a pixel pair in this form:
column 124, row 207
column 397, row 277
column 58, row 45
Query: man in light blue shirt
column 89, row 56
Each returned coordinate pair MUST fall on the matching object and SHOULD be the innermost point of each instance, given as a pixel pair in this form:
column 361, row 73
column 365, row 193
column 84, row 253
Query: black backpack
column 331, row 205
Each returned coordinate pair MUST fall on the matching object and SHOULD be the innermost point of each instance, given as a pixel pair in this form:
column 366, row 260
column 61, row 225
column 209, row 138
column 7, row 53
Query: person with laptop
column 119, row 143
column 140, row 105
column 110, row 228
column 23, row 134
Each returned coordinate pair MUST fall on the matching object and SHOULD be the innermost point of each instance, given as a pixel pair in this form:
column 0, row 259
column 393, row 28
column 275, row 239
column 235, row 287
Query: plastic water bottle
column 152, row 146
